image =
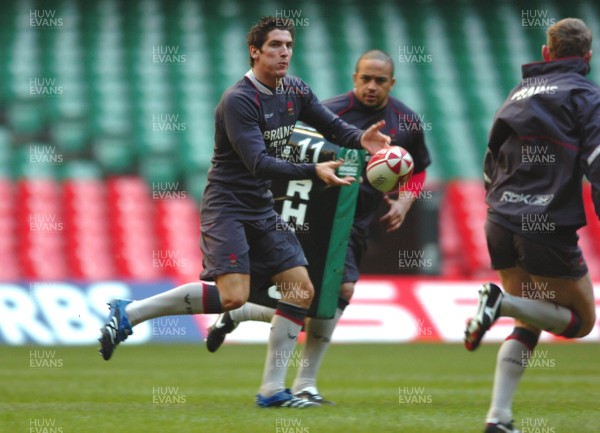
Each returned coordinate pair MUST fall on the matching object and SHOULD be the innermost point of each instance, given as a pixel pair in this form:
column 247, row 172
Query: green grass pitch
column 413, row 388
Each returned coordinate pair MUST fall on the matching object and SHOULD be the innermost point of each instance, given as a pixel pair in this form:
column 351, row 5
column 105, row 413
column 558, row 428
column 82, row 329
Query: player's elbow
column 259, row 171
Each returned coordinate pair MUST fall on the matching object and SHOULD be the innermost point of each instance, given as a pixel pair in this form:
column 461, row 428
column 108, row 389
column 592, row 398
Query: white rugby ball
column 390, row 168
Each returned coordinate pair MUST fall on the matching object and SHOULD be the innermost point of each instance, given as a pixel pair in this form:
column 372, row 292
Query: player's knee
column 302, row 295
column 347, row 291
column 309, row 290
column 298, row 293
column 584, row 331
column 231, row 301
column 587, row 324
column 581, row 325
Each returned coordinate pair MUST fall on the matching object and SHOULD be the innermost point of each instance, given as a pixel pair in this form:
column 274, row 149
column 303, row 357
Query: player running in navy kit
column 239, row 240
column 368, row 103
column 545, row 138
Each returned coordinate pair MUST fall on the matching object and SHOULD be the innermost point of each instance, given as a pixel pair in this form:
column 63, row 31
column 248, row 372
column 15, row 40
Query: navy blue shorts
column 555, row 260
column 261, row 248
column 357, row 246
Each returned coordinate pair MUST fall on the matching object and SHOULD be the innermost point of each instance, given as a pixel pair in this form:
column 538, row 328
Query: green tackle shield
column 320, row 216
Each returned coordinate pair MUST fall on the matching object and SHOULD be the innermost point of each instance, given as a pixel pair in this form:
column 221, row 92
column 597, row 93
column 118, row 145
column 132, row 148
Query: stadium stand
column 117, row 97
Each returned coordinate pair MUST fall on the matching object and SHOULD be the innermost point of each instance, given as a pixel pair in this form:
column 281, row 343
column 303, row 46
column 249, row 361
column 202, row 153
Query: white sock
column 285, row 327
column 318, row 337
column 541, row 314
column 250, row 311
column 190, row 298
column 510, row 365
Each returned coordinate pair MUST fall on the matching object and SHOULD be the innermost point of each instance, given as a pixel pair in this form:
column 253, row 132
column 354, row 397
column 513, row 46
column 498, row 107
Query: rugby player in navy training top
column 239, row 236
column 368, row 102
column 544, row 139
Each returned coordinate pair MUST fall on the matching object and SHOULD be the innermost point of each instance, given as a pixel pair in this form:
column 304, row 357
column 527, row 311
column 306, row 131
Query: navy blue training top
column 250, row 120
column 405, row 128
column 544, row 140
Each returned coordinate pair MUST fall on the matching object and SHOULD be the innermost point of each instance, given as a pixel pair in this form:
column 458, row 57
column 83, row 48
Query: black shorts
column 357, row 245
column 508, row 249
column 261, row 248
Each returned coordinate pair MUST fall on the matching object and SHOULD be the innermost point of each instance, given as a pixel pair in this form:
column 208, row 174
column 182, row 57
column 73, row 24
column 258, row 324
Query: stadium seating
column 41, row 229
column 88, row 241
column 103, row 61
column 92, row 229
column 178, row 230
column 465, row 204
column 91, row 111
column 132, row 214
column 10, row 269
column 590, row 234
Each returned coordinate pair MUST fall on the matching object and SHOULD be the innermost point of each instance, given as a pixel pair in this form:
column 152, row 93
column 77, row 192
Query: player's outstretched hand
column 394, row 218
column 373, row 140
column 326, row 172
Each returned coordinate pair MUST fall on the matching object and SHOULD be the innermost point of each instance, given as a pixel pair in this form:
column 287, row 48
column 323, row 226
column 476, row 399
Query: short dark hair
column 376, row 55
column 259, row 31
column 569, row 37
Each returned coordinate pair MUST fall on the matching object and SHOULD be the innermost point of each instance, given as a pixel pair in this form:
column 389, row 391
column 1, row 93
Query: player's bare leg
column 297, row 293
column 567, row 309
column 571, row 313
column 190, row 298
column 231, row 291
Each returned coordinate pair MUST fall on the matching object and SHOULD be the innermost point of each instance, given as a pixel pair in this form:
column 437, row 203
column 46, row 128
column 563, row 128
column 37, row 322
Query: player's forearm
column 249, row 144
column 333, row 128
column 405, row 202
column 267, row 167
column 346, row 135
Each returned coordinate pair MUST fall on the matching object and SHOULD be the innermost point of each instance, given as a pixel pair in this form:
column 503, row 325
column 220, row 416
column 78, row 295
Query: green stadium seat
column 36, row 160
column 81, row 169
column 5, row 138
column 5, row 152
column 112, row 86
column 115, row 154
column 71, row 135
column 26, row 116
column 163, row 169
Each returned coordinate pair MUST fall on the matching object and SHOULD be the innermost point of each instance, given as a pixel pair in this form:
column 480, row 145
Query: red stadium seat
column 453, row 263
column 90, row 253
column 178, row 230
column 466, row 204
column 590, row 235
column 462, row 229
column 41, row 230
column 10, row 269
column 133, row 228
